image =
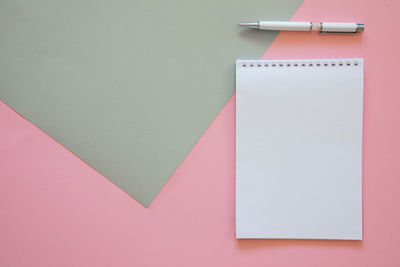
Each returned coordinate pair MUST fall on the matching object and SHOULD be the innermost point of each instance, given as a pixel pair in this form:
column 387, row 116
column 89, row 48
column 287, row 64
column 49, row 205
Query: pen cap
column 335, row 27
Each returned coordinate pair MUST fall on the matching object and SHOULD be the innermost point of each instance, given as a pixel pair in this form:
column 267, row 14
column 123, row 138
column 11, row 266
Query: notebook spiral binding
column 347, row 62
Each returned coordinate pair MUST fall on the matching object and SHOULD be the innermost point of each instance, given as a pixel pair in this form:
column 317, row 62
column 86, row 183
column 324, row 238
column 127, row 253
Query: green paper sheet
column 128, row 86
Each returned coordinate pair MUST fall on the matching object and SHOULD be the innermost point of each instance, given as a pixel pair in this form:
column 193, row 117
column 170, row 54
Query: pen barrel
column 338, row 27
column 285, row 26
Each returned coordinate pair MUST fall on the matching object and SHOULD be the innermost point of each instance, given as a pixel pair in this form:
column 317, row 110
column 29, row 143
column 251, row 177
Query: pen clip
column 328, row 32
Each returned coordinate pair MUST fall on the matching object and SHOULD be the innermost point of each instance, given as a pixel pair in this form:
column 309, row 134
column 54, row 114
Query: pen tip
column 249, row 24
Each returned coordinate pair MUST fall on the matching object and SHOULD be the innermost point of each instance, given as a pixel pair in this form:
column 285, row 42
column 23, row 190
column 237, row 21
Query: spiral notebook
column 299, row 149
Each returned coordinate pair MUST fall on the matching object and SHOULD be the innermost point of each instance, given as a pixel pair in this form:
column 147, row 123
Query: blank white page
column 299, row 149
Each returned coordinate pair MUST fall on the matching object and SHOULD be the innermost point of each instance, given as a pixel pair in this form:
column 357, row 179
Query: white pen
column 323, row 27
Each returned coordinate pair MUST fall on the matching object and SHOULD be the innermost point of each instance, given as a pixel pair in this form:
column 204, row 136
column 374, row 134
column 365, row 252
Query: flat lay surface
column 55, row 210
column 120, row 84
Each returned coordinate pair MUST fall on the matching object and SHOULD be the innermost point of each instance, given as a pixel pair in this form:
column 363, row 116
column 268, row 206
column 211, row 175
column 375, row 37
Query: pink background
column 57, row 211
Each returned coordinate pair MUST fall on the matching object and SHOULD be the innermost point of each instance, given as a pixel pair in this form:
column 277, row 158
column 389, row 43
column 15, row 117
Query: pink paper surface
column 57, row 211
